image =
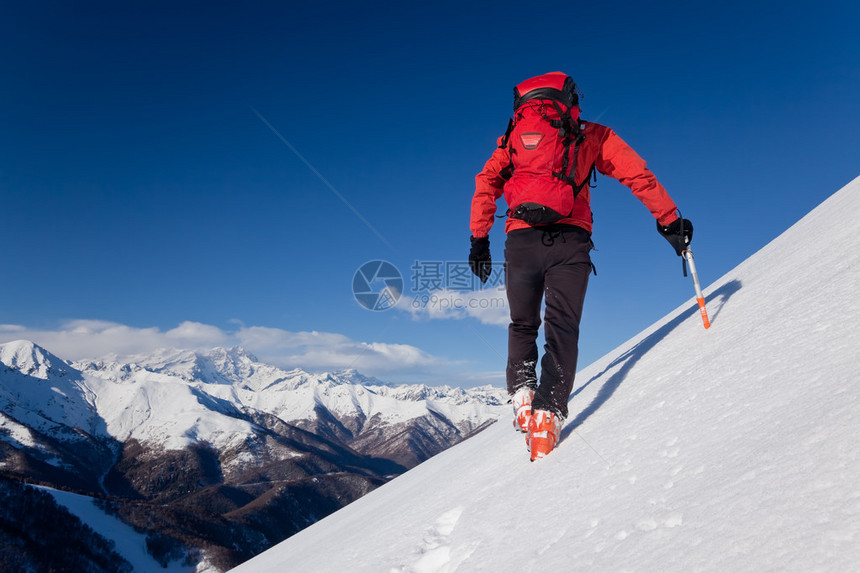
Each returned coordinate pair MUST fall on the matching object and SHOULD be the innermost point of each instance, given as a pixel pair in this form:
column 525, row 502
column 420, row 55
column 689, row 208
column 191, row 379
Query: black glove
column 479, row 258
column 679, row 233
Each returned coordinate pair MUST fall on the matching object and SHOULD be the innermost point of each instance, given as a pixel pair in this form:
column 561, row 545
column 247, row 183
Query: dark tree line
column 37, row 534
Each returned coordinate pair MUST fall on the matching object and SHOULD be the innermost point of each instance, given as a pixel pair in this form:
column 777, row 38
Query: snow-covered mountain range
column 729, row 449
column 217, row 430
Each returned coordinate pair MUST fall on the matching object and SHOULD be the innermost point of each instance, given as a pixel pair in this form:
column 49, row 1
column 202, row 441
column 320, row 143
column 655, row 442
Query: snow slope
column 729, row 449
column 128, row 543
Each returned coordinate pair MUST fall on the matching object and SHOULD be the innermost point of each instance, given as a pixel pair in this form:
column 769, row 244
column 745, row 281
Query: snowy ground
column 128, row 543
column 729, row 449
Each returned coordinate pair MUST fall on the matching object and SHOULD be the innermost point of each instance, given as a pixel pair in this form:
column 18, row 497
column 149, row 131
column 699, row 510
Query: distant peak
column 30, row 359
column 353, row 376
column 20, row 345
column 232, row 352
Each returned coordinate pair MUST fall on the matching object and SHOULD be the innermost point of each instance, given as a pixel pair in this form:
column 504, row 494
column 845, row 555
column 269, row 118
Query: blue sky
column 153, row 192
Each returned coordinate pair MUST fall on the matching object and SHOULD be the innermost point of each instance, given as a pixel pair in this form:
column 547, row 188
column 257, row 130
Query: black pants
column 551, row 261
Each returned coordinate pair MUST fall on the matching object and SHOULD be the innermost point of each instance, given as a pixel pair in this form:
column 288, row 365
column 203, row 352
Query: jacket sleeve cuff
column 668, row 218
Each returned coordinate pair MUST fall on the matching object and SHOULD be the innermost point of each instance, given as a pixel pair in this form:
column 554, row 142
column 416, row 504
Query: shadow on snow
column 632, row 356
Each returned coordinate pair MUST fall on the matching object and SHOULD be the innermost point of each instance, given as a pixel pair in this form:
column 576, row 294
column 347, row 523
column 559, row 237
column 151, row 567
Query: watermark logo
column 429, row 276
column 377, row 285
column 438, row 288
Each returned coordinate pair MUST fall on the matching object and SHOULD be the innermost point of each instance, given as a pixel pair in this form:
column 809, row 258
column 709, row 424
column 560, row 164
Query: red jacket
column 602, row 148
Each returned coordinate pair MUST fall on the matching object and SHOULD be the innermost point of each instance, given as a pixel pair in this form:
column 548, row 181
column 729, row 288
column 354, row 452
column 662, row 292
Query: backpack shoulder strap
column 507, row 135
column 572, row 134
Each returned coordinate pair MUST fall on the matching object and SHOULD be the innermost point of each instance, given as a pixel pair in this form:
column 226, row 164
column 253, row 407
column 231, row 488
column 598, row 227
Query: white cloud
column 89, row 338
column 195, row 333
column 489, row 306
column 266, row 337
column 327, row 350
column 315, row 351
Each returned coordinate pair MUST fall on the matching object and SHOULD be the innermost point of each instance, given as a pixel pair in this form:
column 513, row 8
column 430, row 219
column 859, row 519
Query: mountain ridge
column 188, row 430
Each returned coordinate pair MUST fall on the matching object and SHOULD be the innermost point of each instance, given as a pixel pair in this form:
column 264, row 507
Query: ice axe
column 700, row 298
